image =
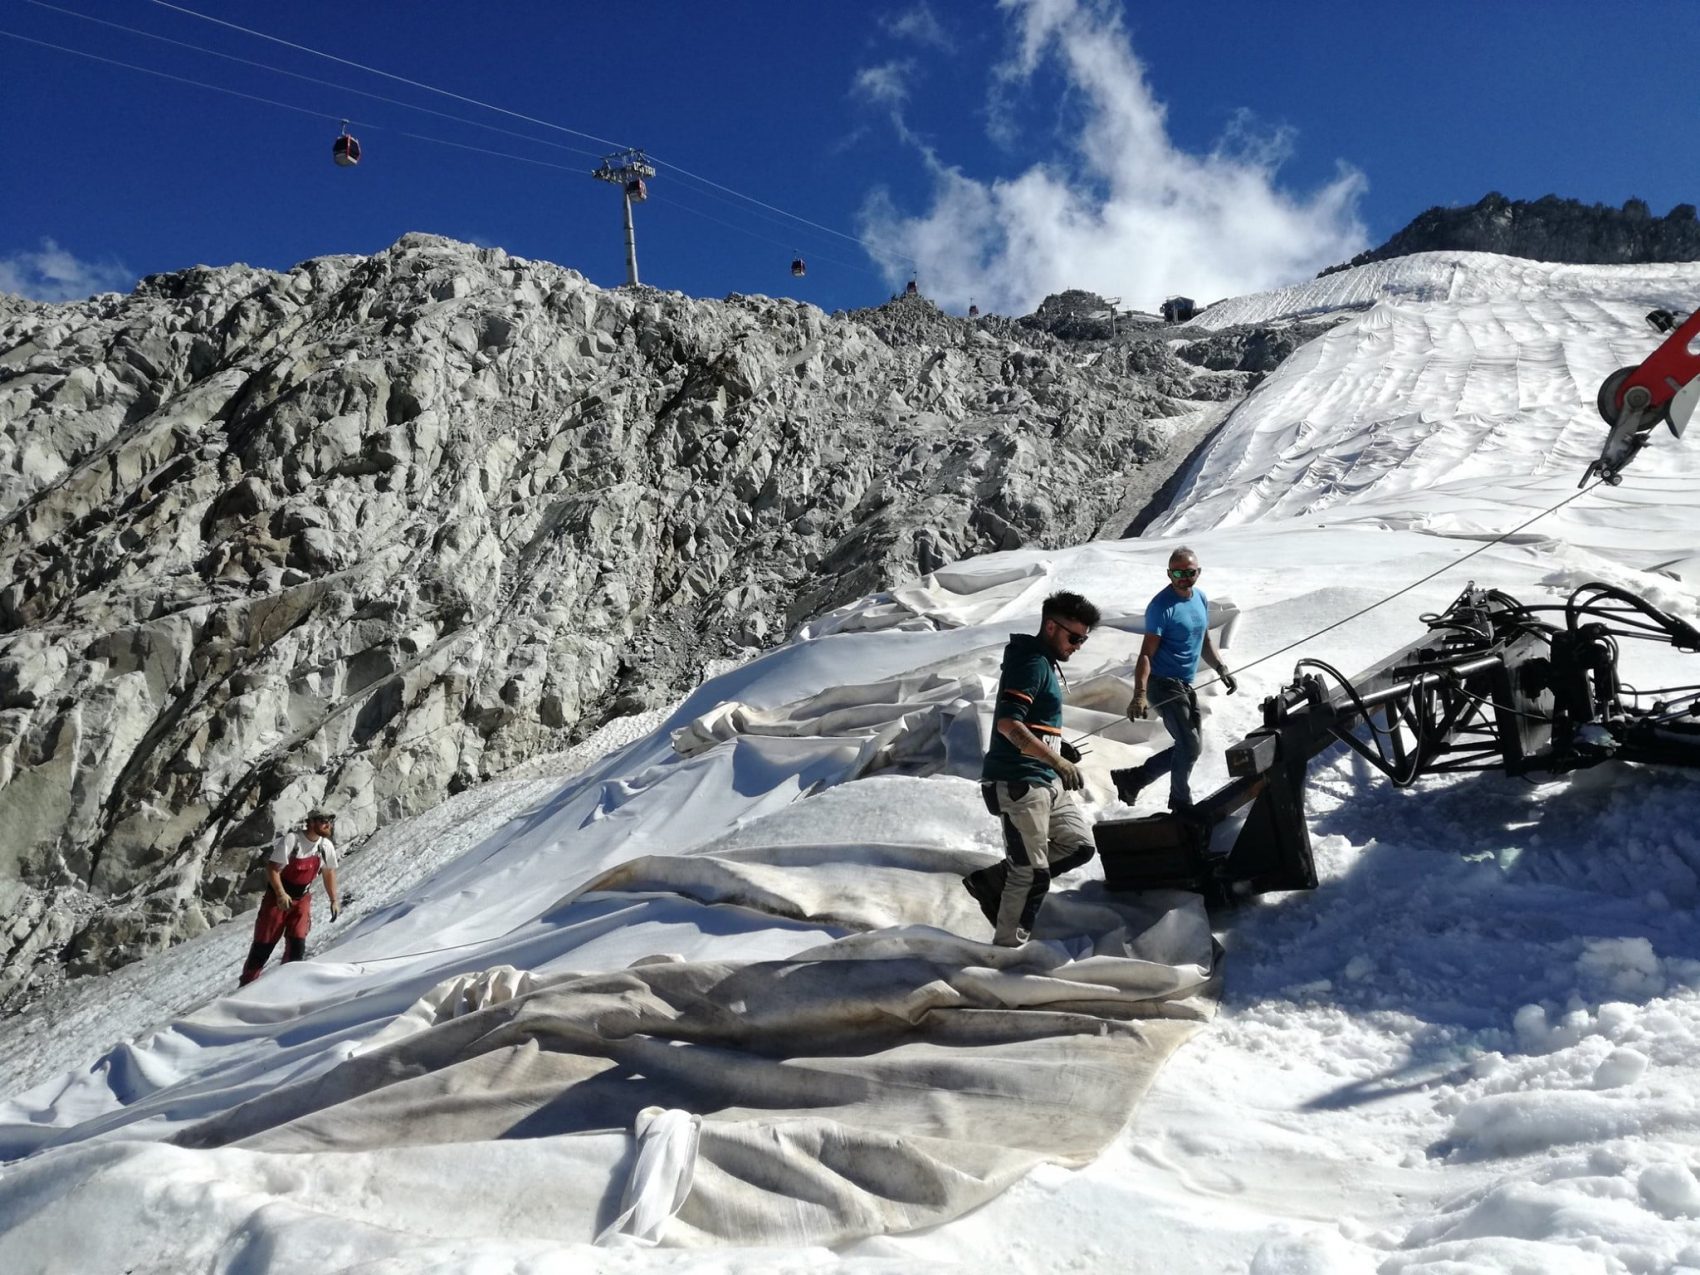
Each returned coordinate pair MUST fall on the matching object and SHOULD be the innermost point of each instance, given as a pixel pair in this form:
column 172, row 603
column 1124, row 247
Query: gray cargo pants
column 1045, row 834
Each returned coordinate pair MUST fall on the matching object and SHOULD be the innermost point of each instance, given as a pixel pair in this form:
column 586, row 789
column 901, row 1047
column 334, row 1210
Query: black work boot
column 1128, row 783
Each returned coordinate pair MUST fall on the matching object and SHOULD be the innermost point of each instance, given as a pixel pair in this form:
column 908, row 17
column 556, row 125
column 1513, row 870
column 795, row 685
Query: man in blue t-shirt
column 1177, row 632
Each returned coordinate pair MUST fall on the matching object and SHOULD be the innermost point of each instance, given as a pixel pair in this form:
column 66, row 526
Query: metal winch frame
column 1492, row 686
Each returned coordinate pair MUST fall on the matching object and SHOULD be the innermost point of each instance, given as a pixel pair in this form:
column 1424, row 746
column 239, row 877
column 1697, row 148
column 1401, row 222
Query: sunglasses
column 1184, row 573
column 1074, row 639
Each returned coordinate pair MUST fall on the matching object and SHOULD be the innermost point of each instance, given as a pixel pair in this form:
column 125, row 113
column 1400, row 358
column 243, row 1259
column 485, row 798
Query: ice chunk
column 1618, row 1068
column 1670, row 1190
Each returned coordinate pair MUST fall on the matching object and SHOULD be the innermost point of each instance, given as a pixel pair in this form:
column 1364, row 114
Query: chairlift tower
column 629, row 170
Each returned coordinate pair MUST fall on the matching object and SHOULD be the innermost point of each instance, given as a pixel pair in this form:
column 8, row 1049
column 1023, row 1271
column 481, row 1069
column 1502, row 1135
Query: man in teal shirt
column 1029, row 780
column 1177, row 632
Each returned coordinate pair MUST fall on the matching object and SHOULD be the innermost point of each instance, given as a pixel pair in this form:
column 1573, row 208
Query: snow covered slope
column 1460, row 401
column 1448, row 276
column 1472, row 1049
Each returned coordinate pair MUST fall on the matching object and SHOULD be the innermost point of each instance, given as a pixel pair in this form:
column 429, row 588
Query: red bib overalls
column 290, row 924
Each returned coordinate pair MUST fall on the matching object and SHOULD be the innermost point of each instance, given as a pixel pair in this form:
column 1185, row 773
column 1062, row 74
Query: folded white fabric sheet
column 888, row 1079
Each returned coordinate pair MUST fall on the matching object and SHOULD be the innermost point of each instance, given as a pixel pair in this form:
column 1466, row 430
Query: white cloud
column 884, row 85
column 887, row 86
column 53, row 274
column 1122, row 211
column 921, row 25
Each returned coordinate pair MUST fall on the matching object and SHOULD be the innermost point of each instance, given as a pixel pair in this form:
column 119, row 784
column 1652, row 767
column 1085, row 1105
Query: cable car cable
column 181, row 79
column 364, row 125
column 756, row 234
column 530, row 119
column 299, row 110
column 789, row 242
column 400, row 79
column 685, row 172
column 312, row 79
column 477, row 150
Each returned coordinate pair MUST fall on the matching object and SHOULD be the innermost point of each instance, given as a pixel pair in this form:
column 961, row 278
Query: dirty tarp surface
column 888, row 1079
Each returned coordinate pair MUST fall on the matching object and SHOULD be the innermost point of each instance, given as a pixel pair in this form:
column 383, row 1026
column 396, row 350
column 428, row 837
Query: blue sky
column 999, row 150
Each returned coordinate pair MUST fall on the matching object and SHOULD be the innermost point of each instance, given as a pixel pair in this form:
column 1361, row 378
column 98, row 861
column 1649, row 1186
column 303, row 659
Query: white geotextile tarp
column 886, row 1080
column 971, row 594
column 731, row 991
column 925, row 719
column 936, row 718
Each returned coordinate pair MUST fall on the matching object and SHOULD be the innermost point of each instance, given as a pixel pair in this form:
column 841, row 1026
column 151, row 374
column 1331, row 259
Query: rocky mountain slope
column 377, row 529
column 1548, row 229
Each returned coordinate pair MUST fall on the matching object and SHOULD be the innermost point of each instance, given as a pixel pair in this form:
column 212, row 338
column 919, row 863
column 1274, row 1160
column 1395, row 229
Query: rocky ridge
column 1547, row 229
column 376, row 529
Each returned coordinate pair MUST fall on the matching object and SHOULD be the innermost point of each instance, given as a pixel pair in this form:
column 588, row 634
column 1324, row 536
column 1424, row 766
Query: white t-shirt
column 298, row 845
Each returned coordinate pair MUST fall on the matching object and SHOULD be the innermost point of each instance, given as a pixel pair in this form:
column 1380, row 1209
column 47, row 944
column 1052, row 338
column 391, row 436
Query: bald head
column 1183, row 571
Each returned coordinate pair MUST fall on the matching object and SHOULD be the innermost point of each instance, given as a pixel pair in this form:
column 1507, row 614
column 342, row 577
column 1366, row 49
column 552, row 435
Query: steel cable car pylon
column 630, row 170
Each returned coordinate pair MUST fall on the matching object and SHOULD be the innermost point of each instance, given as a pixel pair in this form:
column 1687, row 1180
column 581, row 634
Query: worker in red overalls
column 287, row 911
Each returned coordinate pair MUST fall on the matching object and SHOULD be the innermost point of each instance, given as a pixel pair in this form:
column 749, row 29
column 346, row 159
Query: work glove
column 1069, row 752
column 335, row 912
column 1069, row 773
column 1229, row 683
column 282, row 900
column 1141, row 707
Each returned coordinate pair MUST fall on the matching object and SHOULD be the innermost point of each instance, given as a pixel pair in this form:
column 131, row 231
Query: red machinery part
column 1667, row 369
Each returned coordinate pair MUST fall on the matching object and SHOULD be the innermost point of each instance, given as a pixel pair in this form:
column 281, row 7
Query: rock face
column 1548, row 229
column 377, row 529
column 1077, row 315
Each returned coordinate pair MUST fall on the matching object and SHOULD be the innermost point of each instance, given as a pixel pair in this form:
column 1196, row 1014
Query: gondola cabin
column 973, row 312
column 911, row 290
column 798, row 269
column 345, row 151
column 636, row 191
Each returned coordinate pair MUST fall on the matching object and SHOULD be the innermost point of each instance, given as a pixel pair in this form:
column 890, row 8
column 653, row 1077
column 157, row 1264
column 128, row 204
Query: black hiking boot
column 984, row 895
